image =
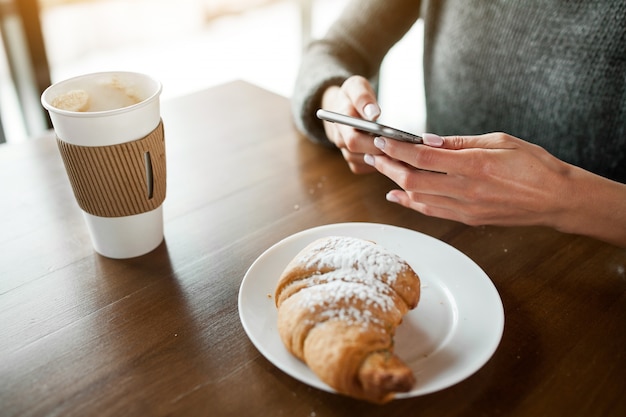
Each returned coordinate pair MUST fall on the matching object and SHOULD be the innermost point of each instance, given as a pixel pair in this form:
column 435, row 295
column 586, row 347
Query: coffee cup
column 110, row 135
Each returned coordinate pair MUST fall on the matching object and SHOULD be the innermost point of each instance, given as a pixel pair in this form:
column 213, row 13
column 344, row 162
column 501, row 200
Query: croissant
column 339, row 302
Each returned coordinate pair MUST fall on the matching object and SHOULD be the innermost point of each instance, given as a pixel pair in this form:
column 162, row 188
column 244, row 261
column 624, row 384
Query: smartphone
column 368, row 126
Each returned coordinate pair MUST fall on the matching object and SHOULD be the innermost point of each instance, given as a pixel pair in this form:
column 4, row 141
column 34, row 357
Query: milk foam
column 98, row 96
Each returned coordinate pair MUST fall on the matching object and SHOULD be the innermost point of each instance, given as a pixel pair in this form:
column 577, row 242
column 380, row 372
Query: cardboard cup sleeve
column 119, row 180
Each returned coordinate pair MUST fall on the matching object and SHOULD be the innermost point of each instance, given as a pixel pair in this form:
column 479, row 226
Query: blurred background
column 187, row 44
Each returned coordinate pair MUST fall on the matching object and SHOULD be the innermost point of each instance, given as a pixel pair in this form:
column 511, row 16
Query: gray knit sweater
column 551, row 72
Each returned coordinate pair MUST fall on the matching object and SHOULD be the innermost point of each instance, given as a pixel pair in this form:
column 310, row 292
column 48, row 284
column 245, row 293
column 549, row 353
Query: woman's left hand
column 494, row 179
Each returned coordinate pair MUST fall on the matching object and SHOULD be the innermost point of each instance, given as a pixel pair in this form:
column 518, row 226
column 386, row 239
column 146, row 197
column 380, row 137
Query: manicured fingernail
column 380, row 142
column 431, row 139
column 371, row 111
column 392, row 198
column 369, row 159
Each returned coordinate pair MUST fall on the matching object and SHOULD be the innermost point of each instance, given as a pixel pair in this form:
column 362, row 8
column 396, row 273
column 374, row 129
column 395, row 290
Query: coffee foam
column 74, row 100
column 100, row 96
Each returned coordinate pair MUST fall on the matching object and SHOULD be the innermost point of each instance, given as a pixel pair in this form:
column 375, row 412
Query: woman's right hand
column 355, row 97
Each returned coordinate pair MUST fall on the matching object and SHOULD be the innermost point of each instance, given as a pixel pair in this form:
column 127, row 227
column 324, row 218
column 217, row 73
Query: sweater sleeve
column 354, row 45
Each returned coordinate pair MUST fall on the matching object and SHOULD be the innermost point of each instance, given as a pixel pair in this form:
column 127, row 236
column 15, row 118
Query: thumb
column 361, row 93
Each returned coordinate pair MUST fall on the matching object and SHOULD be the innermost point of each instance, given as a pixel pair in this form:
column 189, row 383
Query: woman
column 550, row 74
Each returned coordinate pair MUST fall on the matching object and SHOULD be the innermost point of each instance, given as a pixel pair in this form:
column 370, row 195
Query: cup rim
column 100, row 113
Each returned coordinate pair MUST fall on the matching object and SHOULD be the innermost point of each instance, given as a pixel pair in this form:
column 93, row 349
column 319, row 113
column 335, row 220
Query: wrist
column 593, row 206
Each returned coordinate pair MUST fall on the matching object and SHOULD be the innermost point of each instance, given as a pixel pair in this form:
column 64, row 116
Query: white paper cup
column 124, row 236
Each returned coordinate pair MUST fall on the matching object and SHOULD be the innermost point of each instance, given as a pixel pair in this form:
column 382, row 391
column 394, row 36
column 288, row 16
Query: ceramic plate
column 452, row 333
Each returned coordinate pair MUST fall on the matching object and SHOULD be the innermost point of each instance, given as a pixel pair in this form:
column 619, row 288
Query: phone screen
column 373, row 128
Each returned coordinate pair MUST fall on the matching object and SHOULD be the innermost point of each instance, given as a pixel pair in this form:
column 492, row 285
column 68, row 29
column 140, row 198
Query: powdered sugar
column 367, row 259
column 359, row 279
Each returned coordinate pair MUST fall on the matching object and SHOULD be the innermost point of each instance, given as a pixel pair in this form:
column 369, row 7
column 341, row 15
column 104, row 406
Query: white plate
column 452, row 333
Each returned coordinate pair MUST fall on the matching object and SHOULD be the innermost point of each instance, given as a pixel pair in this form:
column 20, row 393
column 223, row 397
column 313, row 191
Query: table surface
column 160, row 334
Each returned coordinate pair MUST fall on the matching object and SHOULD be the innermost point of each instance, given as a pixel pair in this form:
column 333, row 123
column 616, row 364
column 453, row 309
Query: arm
column 497, row 179
column 598, row 208
column 355, row 44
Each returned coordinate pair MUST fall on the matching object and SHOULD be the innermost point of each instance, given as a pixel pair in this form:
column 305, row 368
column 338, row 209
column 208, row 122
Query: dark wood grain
column 83, row 335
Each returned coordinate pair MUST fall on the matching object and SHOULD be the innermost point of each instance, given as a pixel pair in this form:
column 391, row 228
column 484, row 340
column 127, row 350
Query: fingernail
column 369, row 159
column 392, row 198
column 380, row 142
column 371, row 111
column 431, row 139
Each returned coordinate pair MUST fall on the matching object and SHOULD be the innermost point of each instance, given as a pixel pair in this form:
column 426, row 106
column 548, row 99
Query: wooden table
column 83, row 335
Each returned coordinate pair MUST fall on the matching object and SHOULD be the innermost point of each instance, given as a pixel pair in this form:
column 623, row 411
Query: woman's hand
column 498, row 179
column 356, row 98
